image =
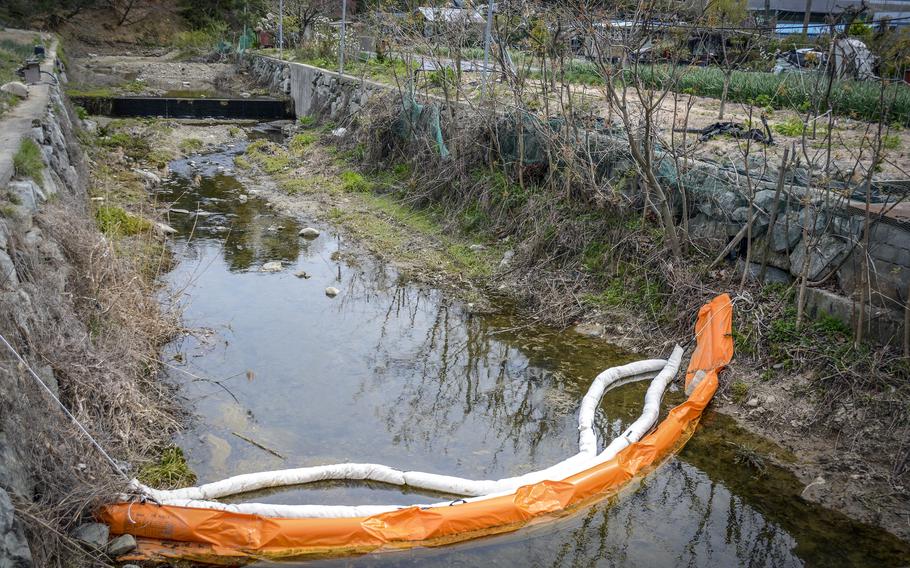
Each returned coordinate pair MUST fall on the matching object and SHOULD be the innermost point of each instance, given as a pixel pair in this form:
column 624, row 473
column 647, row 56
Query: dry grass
column 87, row 314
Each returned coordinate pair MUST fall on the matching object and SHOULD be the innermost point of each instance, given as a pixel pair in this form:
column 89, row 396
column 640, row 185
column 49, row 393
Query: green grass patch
column 135, row 146
column 271, row 157
column 28, row 162
column 739, row 390
column 116, row 222
column 170, row 471
column 891, row 142
column 300, row 142
column 791, row 127
column 354, row 181
column 190, row 145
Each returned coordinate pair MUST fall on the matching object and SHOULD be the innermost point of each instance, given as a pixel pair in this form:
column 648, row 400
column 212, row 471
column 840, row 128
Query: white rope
column 65, row 410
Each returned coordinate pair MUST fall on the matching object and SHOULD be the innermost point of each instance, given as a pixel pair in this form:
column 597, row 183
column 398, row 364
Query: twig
column 258, row 445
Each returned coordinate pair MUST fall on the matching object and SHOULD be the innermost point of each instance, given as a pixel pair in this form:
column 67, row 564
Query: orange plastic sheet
column 221, row 537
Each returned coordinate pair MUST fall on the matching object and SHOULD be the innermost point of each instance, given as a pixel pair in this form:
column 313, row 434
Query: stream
column 393, row 372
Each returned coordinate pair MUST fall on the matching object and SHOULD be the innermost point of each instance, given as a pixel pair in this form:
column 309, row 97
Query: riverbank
column 770, row 389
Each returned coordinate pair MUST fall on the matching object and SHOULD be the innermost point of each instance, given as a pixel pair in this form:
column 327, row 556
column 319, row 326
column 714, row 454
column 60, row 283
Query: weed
column 791, row 127
column 170, row 471
column 891, row 142
column 81, row 112
column 740, row 391
column 190, row 145
column 114, row 221
column 746, row 455
column 233, row 132
column 28, row 162
column 307, row 121
column 300, row 142
column 354, row 181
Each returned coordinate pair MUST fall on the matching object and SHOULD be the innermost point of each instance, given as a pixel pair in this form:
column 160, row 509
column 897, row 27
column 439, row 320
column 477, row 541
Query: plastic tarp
column 218, row 536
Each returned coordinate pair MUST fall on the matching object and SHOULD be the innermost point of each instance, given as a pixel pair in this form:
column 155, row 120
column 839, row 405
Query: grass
column 858, row 99
column 12, row 54
column 115, row 221
column 301, row 141
column 354, row 181
column 269, row 156
column 190, row 145
column 739, row 390
column 791, row 127
column 28, row 162
column 171, row 471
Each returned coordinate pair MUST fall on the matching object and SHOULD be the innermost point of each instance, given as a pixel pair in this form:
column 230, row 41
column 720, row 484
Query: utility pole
column 344, row 16
column 486, row 46
column 280, row 29
column 806, row 16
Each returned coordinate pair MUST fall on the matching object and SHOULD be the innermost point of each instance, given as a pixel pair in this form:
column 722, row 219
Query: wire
column 65, row 410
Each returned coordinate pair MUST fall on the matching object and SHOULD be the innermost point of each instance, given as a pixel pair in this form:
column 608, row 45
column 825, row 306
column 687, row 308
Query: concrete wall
column 718, row 208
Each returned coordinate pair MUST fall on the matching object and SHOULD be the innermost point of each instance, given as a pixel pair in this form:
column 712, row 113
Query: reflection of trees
column 249, row 241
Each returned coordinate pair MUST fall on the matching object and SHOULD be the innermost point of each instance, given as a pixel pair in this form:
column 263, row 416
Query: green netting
column 420, row 121
column 535, row 135
column 246, row 41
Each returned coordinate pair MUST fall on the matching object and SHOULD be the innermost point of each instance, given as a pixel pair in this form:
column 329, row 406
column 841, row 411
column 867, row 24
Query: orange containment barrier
column 224, row 537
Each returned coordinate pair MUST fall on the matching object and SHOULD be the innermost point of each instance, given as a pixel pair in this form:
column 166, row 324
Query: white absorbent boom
column 473, row 489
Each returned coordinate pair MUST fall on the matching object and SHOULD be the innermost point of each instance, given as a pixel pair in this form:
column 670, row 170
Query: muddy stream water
column 395, row 373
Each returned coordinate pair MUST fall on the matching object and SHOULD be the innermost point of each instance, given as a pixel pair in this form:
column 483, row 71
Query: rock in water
column 121, row 545
column 15, row 88
column 302, row 274
column 331, row 291
column 309, row 233
column 271, row 266
column 93, row 535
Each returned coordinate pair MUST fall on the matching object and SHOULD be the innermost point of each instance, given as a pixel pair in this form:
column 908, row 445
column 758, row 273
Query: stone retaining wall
column 23, row 245
column 718, row 209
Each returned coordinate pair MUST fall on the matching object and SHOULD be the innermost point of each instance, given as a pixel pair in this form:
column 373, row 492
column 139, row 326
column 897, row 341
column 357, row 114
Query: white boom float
column 473, row 490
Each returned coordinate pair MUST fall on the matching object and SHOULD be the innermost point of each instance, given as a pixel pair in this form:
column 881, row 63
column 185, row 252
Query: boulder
column 15, row 88
column 14, row 551
column 786, row 233
column 121, row 545
column 826, row 254
column 148, row 177
column 272, row 266
column 93, row 535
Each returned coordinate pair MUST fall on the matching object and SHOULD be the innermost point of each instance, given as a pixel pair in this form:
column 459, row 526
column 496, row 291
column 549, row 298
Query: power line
column 65, row 410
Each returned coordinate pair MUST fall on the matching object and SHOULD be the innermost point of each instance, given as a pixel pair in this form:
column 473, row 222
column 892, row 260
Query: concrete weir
column 259, row 108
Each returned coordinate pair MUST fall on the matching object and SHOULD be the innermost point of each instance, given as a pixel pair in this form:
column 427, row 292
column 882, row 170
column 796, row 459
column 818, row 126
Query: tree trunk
column 723, row 94
column 806, row 17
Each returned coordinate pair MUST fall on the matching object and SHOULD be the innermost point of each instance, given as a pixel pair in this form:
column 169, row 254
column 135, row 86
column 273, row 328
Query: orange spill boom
column 222, row 537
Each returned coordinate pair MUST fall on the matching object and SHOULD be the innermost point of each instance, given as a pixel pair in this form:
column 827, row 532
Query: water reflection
column 395, row 373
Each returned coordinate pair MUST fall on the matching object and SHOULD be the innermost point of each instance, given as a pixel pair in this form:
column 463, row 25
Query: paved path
column 17, row 122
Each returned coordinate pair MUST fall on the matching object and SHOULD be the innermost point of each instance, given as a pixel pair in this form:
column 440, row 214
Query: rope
column 65, row 410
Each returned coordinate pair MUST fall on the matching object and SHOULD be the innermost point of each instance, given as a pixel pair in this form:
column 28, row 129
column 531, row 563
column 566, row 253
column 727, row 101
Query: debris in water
column 331, row 291
column 272, row 266
column 258, row 445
